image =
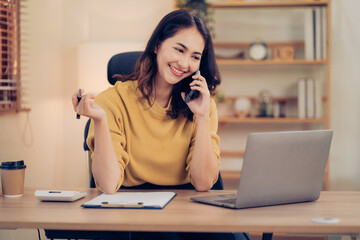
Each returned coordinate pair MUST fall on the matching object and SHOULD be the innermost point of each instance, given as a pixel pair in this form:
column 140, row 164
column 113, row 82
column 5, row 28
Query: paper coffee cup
column 12, row 178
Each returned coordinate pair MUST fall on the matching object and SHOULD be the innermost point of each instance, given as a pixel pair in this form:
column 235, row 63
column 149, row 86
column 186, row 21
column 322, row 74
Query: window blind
column 10, row 85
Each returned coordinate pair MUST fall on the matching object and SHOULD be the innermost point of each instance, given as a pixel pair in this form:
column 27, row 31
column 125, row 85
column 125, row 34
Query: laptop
column 279, row 168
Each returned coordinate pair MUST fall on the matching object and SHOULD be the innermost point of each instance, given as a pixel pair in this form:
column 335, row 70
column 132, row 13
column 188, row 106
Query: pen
column 78, row 98
column 122, row 205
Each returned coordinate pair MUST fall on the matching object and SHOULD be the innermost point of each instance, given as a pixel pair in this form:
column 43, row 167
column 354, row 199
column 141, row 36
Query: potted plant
column 199, row 8
column 225, row 106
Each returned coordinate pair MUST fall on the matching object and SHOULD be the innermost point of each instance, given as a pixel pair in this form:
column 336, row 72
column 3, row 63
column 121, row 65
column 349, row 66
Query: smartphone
column 190, row 93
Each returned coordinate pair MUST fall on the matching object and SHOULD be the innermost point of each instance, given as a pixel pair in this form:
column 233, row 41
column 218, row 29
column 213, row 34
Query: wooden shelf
column 270, row 120
column 274, row 99
column 282, row 4
column 230, row 179
column 227, row 153
column 15, row 111
column 230, row 174
column 247, row 62
column 247, row 44
column 238, row 62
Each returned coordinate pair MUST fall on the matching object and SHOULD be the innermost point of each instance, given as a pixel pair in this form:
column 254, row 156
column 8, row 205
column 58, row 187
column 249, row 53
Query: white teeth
column 176, row 70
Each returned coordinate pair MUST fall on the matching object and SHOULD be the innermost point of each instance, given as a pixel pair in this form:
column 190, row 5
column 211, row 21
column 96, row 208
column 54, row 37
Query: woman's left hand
column 199, row 106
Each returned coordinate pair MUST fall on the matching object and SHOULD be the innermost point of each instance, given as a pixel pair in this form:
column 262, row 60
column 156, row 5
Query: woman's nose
column 184, row 62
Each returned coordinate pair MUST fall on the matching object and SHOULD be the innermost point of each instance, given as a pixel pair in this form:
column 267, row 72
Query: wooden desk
column 181, row 214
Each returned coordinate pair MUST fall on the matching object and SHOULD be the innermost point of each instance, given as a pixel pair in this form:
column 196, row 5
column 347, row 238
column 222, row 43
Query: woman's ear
column 156, row 49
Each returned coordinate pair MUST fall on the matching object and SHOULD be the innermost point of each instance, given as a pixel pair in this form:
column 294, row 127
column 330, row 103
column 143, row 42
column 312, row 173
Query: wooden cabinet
column 284, row 26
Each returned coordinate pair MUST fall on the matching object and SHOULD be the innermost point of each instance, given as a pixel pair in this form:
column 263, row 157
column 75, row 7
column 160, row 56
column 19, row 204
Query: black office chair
column 122, row 63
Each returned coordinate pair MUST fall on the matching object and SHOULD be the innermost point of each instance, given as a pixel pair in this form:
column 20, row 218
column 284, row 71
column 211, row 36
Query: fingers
column 88, row 96
column 200, row 84
column 82, row 106
column 183, row 95
column 203, row 91
column 86, row 101
column 198, row 79
column 74, row 100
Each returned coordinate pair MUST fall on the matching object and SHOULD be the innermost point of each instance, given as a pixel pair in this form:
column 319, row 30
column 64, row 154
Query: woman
column 154, row 136
column 142, row 131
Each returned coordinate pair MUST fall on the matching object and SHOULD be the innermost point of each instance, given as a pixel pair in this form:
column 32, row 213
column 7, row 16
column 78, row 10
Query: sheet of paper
column 146, row 199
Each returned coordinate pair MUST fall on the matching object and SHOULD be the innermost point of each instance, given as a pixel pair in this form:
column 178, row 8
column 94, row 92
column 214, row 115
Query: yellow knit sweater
column 150, row 146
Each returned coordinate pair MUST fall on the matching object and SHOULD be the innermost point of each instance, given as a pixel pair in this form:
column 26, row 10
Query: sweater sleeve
column 214, row 137
column 117, row 135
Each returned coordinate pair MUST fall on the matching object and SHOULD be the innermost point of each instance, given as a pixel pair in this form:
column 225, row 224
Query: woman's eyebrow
column 183, row 46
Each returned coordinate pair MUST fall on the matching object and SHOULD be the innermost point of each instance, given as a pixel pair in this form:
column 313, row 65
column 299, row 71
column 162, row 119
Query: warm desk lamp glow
column 92, row 60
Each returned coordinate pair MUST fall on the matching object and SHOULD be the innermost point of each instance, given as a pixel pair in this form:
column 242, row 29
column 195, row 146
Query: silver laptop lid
column 283, row 167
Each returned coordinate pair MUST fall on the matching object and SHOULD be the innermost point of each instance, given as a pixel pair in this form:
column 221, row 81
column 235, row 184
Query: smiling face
column 179, row 56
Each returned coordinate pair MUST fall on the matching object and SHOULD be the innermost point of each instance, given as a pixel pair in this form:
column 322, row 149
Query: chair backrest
column 124, row 64
column 90, row 177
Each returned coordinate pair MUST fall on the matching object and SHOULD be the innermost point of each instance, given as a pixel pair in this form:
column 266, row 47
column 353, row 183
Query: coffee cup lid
column 13, row 165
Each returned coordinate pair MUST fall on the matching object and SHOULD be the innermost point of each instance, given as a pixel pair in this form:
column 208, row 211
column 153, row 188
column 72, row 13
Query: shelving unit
column 262, row 4
column 318, row 67
column 270, row 120
column 224, row 62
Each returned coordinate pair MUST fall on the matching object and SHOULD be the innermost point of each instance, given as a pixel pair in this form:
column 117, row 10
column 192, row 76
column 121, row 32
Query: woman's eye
column 196, row 58
column 179, row 50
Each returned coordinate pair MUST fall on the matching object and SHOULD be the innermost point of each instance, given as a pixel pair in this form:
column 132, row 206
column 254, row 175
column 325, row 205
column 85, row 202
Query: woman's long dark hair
column 146, row 67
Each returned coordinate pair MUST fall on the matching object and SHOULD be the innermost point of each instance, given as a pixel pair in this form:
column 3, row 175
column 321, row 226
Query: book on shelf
column 318, row 99
column 318, row 37
column 315, row 33
column 324, row 17
column 309, row 98
column 308, row 34
column 301, row 98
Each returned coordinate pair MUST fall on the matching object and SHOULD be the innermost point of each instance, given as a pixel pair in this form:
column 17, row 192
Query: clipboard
column 132, row 200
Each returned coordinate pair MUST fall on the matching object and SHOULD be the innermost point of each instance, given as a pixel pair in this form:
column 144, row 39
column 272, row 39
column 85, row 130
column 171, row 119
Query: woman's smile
column 176, row 71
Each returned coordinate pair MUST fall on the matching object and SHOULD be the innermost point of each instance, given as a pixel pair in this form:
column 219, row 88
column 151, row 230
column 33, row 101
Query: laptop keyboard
column 227, row 201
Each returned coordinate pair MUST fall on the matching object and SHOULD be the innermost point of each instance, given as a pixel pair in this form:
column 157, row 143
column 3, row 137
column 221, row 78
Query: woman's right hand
column 87, row 107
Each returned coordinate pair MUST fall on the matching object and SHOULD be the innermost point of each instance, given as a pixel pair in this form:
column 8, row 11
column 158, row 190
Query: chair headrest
column 122, row 63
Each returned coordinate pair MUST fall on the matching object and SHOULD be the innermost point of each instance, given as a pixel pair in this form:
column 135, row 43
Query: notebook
column 279, row 168
column 151, row 200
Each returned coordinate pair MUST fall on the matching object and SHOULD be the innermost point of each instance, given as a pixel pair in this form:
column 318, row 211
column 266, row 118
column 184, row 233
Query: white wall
column 345, row 97
column 49, row 138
